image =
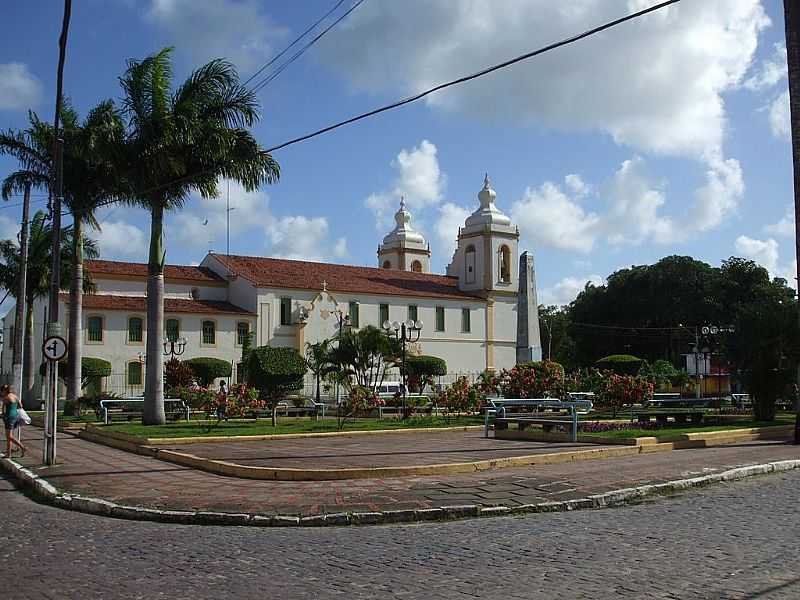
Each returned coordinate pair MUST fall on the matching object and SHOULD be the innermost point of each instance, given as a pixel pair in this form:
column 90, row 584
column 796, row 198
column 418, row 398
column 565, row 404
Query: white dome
column 403, row 235
column 487, row 213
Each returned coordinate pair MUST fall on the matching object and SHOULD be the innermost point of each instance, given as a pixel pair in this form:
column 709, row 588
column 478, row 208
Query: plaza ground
column 98, row 471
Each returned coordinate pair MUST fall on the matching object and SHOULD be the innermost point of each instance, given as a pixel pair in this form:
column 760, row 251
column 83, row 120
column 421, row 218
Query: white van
column 389, row 388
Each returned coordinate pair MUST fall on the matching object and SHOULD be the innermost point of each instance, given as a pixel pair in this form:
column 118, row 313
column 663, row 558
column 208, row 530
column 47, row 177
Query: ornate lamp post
column 343, row 321
column 173, row 348
column 408, row 331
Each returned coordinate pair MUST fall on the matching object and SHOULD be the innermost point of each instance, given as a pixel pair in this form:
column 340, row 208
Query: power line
column 297, row 39
column 476, row 75
column 264, row 82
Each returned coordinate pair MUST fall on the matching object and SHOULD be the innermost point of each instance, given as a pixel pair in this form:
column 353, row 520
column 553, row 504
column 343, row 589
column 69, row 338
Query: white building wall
column 138, row 287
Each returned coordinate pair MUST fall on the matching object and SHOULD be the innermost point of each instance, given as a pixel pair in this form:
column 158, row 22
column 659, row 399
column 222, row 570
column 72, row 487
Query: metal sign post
column 54, row 349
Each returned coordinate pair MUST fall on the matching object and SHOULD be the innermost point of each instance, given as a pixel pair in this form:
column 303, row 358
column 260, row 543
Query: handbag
column 24, row 416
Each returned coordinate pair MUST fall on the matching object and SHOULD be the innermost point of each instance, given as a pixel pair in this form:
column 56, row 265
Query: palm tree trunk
column 154, row 379
column 791, row 12
column 75, row 317
column 19, row 319
column 30, row 369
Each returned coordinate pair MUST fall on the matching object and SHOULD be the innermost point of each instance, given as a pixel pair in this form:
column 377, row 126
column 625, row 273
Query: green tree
column 364, row 356
column 557, row 343
column 178, row 143
column 274, row 372
column 318, row 361
column 420, row 371
column 90, row 180
column 206, row 369
column 38, row 278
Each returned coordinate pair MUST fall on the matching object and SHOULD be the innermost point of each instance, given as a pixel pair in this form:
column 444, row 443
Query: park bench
column 741, row 401
column 130, row 408
column 417, row 401
column 662, row 415
column 548, row 413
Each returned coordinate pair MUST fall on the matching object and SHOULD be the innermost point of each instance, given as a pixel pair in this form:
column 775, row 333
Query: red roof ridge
column 139, row 303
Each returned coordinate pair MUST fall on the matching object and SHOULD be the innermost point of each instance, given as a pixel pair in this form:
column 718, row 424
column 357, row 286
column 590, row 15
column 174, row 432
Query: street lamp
column 408, row 331
column 173, row 348
column 343, row 321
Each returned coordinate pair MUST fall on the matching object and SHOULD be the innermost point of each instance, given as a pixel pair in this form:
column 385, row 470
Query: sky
column 666, row 135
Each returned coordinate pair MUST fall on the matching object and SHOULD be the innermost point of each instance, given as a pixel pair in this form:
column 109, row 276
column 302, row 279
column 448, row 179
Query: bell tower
column 486, row 256
column 404, row 248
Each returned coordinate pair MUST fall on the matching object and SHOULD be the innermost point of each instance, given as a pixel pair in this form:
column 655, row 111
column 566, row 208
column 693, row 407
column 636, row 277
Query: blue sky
column 667, row 135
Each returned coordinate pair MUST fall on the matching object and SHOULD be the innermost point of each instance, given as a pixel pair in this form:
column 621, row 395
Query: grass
column 672, row 430
column 284, row 426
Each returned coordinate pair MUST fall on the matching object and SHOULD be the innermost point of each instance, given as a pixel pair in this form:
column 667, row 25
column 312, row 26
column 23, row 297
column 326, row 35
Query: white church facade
column 480, row 315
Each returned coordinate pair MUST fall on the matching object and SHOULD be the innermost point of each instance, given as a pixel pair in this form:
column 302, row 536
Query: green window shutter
column 209, row 332
column 466, row 325
column 242, row 331
column 134, row 329
column 354, row 314
column 384, row 316
column 440, row 318
column 173, row 330
column 134, row 373
column 95, row 329
column 286, row 311
column 412, row 312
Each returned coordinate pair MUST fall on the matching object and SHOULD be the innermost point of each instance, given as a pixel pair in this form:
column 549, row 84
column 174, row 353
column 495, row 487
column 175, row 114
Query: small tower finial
column 402, row 202
column 486, row 182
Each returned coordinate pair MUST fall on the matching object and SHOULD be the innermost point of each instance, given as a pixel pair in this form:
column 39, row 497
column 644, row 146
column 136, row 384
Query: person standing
column 11, row 418
column 222, row 402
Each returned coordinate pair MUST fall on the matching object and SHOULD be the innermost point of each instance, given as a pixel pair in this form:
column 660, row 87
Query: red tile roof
column 296, row 274
column 111, row 268
column 171, row 305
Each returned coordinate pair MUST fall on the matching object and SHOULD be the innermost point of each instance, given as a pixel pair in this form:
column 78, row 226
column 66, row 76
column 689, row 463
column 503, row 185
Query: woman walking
column 11, row 418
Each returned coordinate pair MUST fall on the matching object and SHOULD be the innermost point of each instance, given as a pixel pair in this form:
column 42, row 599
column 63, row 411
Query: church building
column 482, row 314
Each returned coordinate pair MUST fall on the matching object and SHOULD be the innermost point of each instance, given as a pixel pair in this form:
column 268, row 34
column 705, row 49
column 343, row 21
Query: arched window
column 173, row 330
column 242, row 332
column 134, row 373
column 209, row 333
column 387, row 264
column 505, row 264
column 416, row 266
column 469, row 264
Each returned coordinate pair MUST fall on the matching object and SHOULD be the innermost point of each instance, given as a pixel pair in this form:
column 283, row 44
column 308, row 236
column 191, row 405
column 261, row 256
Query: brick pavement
column 388, row 450
column 732, row 541
column 95, row 470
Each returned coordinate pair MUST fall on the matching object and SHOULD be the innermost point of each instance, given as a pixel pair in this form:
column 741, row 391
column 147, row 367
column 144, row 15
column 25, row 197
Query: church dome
column 403, row 234
column 487, row 213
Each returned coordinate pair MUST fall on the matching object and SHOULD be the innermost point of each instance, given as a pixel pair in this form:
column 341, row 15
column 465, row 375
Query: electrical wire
column 264, row 82
column 297, row 39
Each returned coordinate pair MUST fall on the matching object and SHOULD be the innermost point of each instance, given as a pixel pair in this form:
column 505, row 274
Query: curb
column 46, row 492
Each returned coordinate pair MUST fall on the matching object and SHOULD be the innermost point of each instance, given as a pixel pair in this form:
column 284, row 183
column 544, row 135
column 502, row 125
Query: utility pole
column 21, row 309
column 56, row 193
column 791, row 13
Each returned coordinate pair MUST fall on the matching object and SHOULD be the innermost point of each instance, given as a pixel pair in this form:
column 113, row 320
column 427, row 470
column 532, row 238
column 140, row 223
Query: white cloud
column 549, row 217
column 566, row 290
column 9, row 228
column 19, row 88
column 779, row 121
column 770, row 72
column 119, row 239
column 720, row 196
column 451, row 217
column 300, row 238
column 767, row 254
column 419, row 180
column 576, row 183
column 340, row 248
column 655, row 84
column 784, row 227
column 237, row 30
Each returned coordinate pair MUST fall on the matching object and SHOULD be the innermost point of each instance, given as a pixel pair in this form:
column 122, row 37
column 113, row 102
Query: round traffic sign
column 54, row 348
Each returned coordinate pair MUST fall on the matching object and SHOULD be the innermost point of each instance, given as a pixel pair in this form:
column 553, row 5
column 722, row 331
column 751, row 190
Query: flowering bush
column 616, row 391
column 488, row 384
column 195, row 396
column 359, row 401
column 243, row 401
column 598, row 427
column 583, row 380
column 543, row 379
column 460, row 397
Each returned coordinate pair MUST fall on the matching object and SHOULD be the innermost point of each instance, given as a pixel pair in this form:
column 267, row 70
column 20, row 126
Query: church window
column 416, row 266
column 469, row 264
column 384, row 314
column 286, row 311
column 505, row 264
column 387, row 264
column 412, row 312
column 466, row 325
column 353, row 310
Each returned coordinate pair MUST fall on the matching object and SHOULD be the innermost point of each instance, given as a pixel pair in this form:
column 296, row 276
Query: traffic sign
column 54, row 348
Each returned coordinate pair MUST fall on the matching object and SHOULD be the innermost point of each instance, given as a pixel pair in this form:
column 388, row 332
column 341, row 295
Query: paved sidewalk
column 94, row 470
column 380, row 450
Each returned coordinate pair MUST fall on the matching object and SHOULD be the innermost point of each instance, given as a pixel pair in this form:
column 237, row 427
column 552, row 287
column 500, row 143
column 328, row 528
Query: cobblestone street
column 735, row 541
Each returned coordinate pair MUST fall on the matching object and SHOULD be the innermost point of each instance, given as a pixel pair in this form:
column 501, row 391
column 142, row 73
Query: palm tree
column 318, row 361
column 38, row 278
column 791, row 13
column 90, row 180
column 178, row 143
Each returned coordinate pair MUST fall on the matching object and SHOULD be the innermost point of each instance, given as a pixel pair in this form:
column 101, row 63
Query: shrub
column 543, row 379
column 420, row 371
column 621, row 364
column 177, row 375
column 358, row 402
column 92, row 370
column 206, row 369
column 616, row 391
column 274, row 372
column 488, row 384
column 460, row 397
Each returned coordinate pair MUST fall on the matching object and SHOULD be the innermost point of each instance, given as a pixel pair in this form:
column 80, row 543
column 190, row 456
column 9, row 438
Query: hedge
column 207, row 369
column 425, row 365
column 91, row 369
column 621, row 364
column 275, row 371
